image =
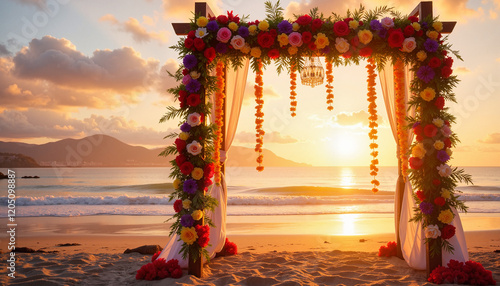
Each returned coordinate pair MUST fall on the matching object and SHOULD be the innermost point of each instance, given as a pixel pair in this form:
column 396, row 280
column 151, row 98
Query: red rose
column 185, row 71
column 273, row 33
column 420, row 33
column 199, row 44
column 207, row 182
column 312, row 46
column 230, row 248
column 180, row 144
column 446, row 122
column 341, row 29
column 446, row 71
column 222, row 19
column 178, row 206
column 186, row 168
column 316, row 25
column 180, row 159
column 304, row 20
column 203, row 241
column 209, row 54
column 409, row 31
column 360, row 23
column 188, row 43
column 439, row 201
column 413, row 19
column 366, row 52
column 416, row 163
column 396, row 38
column 421, row 196
column 439, row 103
column 430, row 130
column 434, row 62
column 436, row 182
column 265, row 40
column 447, row 142
column 355, row 41
column 176, row 273
column 193, row 99
column 347, row 20
column 273, row 54
column 448, row 231
column 192, row 34
column 347, row 55
column 448, row 62
column 306, row 37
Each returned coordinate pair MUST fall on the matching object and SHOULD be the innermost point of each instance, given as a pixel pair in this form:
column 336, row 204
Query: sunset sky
column 69, row 69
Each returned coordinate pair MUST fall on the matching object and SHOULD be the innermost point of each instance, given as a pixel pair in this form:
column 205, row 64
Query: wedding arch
column 415, row 68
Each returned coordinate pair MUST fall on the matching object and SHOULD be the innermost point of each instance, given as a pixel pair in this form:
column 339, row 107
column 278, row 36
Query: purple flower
column 416, row 124
column 221, row 48
column 243, row 31
column 193, row 86
column 187, row 220
column 190, row 61
column 382, row 33
column 185, row 127
column 443, row 156
column 213, row 26
column 424, row 25
column 425, row 74
column 190, row 186
column 426, row 207
column 326, row 50
column 431, row 45
column 285, row 27
column 375, row 25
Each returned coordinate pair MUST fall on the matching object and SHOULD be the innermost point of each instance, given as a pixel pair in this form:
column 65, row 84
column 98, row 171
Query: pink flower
column 409, row 45
column 223, row 35
column 295, row 39
column 237, row 42
column 446, row 131
column 387, row 23
column 194, row 148
column 194, row 119
column 186, row 79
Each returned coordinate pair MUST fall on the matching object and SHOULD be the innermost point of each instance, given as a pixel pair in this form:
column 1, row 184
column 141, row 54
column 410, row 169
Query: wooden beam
column 181, row 29
column 422, row 10
column 448, row 27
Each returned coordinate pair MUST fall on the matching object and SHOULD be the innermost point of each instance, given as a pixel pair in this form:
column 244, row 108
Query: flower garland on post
column 293, row 87
column 399, row 90
column 219, row 113
column 372, row 109
column 329, row 86
column 259, row 120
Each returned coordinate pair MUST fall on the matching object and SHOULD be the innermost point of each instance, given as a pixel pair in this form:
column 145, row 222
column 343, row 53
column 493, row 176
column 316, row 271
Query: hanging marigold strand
column 399, row 90
column 259, row 115
column 219, row 113
column 372, row 109
column 329, row 86
column 293, row 87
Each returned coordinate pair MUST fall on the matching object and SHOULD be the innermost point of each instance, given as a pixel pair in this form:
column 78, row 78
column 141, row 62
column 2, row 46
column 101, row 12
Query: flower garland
column 293, row 87
column 329, row 86
column 372, row 109
column 468, row 273
column 259, row 120
column 219, row 113
column 399, row 90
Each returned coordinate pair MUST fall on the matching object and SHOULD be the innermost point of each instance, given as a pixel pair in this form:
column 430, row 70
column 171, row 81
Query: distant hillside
column 106, row 151
column 11, row 160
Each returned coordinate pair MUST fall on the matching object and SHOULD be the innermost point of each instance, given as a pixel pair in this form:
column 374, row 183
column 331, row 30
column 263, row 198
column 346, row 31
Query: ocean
column 65, row 192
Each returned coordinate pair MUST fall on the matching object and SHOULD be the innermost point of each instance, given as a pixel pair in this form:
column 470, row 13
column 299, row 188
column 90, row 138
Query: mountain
column 10, row 160
column 106, row 151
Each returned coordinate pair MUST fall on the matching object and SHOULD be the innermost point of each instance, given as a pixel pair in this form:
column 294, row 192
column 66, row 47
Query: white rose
column 432, row 231
column 387, row 23
column 409, row 45
column 444, row 170
column 194, row 119
column 194, row 148
column 342, row 45
column 237, row 42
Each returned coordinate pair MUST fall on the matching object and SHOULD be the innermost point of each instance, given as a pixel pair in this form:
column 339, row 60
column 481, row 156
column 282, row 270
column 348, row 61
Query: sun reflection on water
column 347, row 177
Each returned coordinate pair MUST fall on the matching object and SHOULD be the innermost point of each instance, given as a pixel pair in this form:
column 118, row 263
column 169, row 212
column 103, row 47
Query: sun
column 345, row 145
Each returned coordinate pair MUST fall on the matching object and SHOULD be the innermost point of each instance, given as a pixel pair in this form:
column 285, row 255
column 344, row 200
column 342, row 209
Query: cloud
column 134, row 27
column 462, row 70
column 344, row 119
column 35, row 123
column 272, row 137
column 165, row 81
column 493, row 138
column 4, row 51
column 184, row 9
column 249, row 95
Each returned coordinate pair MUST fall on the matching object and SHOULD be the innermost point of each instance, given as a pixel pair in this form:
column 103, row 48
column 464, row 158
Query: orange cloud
column 493, row 138
column 248, row 97
column 138, row 32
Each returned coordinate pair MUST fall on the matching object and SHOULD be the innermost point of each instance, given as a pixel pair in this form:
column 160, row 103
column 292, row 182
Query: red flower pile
column 159, row 269
column 389, row 250
column 230, row 248
column 468, row 273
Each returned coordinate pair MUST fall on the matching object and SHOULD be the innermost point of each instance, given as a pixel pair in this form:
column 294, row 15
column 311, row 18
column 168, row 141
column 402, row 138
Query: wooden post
column 400, row 187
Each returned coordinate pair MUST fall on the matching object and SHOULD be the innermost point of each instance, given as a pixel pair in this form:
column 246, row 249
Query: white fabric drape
column 411, row 234
column 235, row 88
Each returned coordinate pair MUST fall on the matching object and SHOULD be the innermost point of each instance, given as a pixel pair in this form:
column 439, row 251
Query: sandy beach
column 270, row 252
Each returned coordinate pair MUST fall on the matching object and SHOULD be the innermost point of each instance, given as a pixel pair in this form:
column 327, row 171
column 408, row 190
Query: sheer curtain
column 411, row 234
column 235, row 87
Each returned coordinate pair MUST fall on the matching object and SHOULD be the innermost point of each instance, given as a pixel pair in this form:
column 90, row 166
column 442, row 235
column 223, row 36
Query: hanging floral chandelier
column 313, row 73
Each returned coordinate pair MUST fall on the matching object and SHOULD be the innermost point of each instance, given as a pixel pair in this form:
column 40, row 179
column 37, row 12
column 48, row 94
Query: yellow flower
column 184, row 136
column 177, row 183
column 195, row 74
column 438, row 145
column 445, row 193
column 197, row 214
column 433, row 35
column 416, row 26
column 353, row 24
column 365, row 36
column 428, row 94
column 233, row 26
column 202, row 21
column 321, row 41
column 255, row 52
column 421, row 55
column 445, row 216
column 292, row 50
column 186, row 204
column 197, row 173
column 449, row 152
column 438, row 26
column 245, row 49
column 252, row 29
column 438, row 122
column 418, row 151
column 188, row 235
column 283, row 39
column 264, row 25
column 295, row 27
